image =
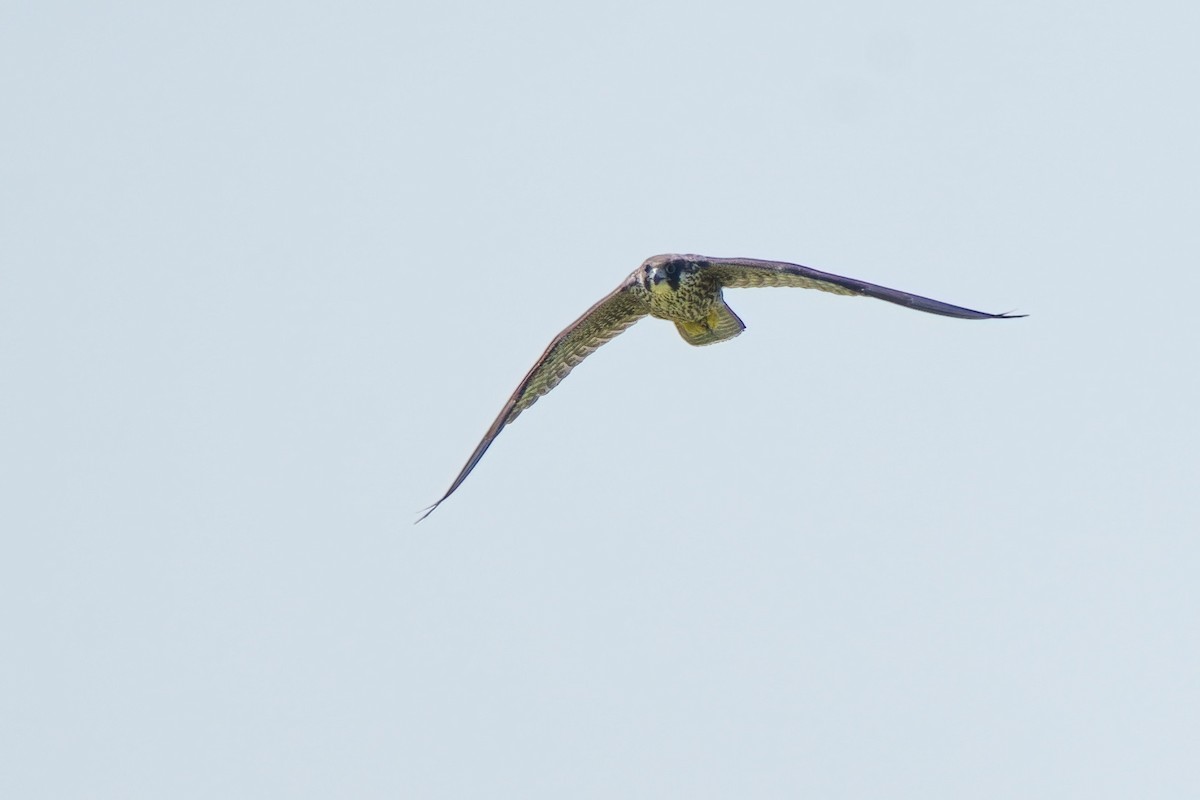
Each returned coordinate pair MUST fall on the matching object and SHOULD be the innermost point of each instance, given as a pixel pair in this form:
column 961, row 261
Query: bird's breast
column 691, row 302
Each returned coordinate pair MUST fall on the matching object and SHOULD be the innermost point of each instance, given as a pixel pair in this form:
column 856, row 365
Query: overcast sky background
column 268, row 271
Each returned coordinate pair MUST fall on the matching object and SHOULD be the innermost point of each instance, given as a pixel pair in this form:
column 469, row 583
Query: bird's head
column 661, row 274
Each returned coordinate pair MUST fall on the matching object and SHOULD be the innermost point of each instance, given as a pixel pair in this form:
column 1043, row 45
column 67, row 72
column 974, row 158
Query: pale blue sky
column 268, row 271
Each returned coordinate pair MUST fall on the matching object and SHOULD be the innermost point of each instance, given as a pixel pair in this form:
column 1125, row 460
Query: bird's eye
column 672, row 268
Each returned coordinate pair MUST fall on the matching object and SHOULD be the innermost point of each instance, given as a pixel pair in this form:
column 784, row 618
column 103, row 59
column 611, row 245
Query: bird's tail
column 720, row 324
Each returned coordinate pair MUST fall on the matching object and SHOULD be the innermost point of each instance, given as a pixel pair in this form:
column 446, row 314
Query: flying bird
column 687, row 290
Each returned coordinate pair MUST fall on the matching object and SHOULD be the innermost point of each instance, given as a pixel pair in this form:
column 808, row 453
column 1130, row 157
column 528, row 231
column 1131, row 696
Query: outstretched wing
column 740, row 273
column 598, row 325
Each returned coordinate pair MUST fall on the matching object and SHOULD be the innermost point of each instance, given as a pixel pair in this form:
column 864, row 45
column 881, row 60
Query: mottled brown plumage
column 687, row 290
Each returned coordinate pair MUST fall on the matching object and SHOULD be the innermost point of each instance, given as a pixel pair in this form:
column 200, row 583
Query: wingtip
column 425, row 512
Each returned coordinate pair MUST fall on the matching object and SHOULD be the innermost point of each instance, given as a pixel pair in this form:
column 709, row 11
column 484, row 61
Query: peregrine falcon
column 685, row 289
